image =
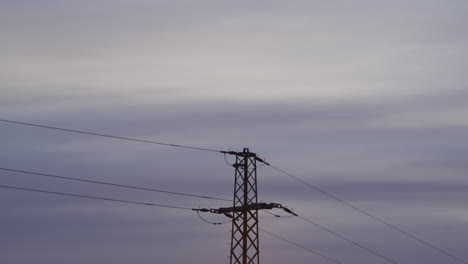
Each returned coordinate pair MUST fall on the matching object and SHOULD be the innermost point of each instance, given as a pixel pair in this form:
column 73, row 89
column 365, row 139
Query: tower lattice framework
column 244, row 238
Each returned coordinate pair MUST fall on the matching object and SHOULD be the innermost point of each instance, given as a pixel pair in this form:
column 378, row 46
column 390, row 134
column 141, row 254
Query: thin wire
column 108, row 136
column 370, row 215
column 94, row 197
column 279, row 216
column 212, row 223
column 181, row 208
column 275, row 215
column 298, row 245
column 225, row 160
column 198, row 213
column 113, row 184
column 349, row 240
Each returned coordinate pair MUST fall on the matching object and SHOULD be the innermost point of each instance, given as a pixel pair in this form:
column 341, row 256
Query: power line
column 109, row 136
column 298, row 245
column 276, row 215
column 209, row 222
column 340, row 236
column 213, row 150
column 113, row 184
column 368, row 214
column 95, row 197
column 349, row 240
column 151, row 204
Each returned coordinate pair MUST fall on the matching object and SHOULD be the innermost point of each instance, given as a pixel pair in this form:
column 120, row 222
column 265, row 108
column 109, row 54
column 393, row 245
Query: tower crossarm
column 256, row 206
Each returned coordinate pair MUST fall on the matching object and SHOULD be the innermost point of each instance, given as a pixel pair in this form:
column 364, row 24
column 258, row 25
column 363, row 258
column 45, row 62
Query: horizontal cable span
column 108, row 136
column 350, row 241
column 113, row 184
column 298, row 245
column 94, row 197
column 369, row 215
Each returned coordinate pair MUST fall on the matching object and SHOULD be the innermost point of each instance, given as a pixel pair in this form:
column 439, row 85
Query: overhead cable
column 369, row 215
column 209, row 222
column 298, row 245
column 108, row 136
column 350, row 241
column 94, row 197
column 155, row 205
column 112, row 184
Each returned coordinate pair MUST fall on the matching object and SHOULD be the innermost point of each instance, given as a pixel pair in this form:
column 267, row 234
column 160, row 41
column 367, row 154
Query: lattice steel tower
column 244, row 238
column 244, row 212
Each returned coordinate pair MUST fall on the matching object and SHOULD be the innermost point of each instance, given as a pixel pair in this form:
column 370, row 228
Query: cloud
column 366, row 100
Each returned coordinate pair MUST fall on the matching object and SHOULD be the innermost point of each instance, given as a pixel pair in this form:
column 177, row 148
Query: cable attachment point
column 205, row 210
column 262, row 161
column 287, row 210
column 230, row 152
column 201, row 210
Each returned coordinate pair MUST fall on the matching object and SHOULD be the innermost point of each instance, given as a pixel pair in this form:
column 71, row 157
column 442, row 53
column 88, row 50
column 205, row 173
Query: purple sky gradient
column 366, row 99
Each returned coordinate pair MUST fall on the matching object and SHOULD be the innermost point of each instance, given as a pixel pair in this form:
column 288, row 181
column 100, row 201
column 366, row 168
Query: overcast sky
column 366, row 99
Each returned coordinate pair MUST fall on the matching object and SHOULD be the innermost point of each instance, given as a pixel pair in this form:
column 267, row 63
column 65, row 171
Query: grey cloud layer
column 367, row 100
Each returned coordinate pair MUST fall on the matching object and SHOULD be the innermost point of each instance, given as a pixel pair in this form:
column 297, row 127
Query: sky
column 366, row 99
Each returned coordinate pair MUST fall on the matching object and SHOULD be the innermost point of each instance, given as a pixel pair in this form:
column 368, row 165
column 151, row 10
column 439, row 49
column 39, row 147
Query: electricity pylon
column 244, row 238
column 244, row 212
